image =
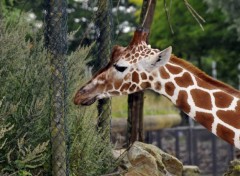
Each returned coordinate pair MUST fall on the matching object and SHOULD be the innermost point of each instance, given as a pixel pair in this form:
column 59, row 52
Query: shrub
column 25, row 77
column 90, row 151
column 24, row 80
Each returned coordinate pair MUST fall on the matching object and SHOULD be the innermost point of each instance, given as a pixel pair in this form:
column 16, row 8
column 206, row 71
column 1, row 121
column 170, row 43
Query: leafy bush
column 90, row 152
column 25, row 77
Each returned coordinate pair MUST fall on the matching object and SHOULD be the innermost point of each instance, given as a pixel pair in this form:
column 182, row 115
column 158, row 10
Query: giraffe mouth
column 85, row 102
column 88, row 102
column 81, row 100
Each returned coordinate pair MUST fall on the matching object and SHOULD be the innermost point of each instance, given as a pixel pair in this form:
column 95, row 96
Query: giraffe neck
column 213, row 104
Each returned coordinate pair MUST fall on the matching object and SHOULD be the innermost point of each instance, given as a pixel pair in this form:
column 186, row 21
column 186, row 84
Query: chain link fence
column 104, row 28
column 56, row 44
column 41, row 131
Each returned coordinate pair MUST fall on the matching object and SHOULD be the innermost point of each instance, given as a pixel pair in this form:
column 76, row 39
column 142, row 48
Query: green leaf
column 24, row 173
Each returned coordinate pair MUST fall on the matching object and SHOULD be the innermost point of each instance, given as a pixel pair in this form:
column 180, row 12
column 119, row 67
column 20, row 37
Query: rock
column 148, row 160
column 191, row 170
column 234, row 168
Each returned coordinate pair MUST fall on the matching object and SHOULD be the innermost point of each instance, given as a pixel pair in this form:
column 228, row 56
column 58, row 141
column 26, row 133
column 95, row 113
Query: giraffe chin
column 85, row 102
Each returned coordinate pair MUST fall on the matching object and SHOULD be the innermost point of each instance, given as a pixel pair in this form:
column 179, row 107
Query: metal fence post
column 56, row 43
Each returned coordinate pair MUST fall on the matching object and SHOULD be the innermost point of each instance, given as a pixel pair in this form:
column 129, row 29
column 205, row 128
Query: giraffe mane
column 202, row 75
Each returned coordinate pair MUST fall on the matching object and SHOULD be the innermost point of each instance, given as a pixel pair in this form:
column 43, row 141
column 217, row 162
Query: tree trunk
column 56, row 43
column 135, row 101
column 104, row 24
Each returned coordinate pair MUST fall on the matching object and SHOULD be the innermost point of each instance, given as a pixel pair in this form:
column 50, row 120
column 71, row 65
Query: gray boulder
column 149, row 160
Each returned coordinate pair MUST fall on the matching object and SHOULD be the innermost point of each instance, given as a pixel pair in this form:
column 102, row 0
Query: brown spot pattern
column 150, row 78
column 145, row 85
column 222, row 100
column 230, row 117
column 134, row 60
column 205, row 119
column 134, row 50
column 132, row 88
column 204, row 84
column 169, row 88
column 117, row 84
column 225, row 133
column 135, row 77
column 143, row 76
column 182, row 101
column 185, row 80
column 125, row 86
column 128, row 55
column 174, row 70
column 157, row 85
column 109, row 86
column 163, row 73
column 201, row 98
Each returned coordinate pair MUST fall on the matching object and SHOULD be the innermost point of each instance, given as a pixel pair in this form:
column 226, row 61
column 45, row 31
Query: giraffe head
column 129, row 70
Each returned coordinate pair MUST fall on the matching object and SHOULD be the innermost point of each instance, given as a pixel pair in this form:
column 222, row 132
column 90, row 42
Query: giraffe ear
column 162, row 58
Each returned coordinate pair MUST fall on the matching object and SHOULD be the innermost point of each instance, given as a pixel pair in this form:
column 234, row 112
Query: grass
column 154, row 104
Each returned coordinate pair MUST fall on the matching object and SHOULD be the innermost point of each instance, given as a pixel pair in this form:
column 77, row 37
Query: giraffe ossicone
column 137, row 67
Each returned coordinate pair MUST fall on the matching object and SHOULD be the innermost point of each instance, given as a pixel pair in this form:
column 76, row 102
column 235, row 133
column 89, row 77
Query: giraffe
column 137, row 67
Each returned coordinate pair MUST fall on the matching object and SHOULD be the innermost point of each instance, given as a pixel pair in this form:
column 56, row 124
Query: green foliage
column 25, row 104
column 90, row 152
column 24, row 79
column 4, row 129
column 25, row 158
column 230, row 9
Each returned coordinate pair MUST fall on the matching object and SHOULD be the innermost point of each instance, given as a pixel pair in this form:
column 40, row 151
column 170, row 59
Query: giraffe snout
column 82, row 90
column 85, row 96
column 77, row 98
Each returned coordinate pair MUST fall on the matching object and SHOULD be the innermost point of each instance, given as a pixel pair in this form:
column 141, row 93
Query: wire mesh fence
column 36, row 104
column 41, row 132
column 194, row 146
column 56, row 44
column 104, row 27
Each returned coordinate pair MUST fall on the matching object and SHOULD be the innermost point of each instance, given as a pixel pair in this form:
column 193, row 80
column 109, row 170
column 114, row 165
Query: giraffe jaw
column 84, row 102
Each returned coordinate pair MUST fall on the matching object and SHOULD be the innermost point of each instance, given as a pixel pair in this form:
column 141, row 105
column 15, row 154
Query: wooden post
column 135, row 101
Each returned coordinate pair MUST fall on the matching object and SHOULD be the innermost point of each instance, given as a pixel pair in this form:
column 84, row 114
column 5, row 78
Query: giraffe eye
column 119, row 68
